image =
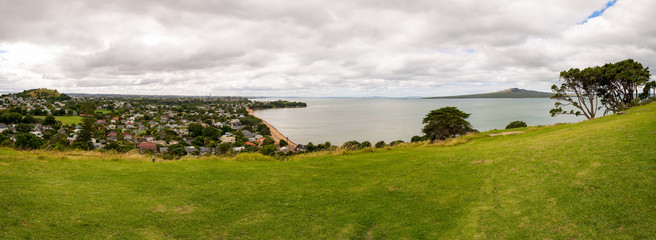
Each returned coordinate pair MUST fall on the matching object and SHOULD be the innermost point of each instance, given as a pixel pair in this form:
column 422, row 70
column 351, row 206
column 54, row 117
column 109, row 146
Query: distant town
column 168, row 126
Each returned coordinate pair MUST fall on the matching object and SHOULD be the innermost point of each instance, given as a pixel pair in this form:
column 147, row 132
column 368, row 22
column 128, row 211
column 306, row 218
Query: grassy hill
column 591, row 180
column 508, row 93
column 43, row 93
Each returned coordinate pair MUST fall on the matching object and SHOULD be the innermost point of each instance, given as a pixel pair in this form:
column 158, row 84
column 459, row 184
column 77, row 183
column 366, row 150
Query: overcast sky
column 314, row 48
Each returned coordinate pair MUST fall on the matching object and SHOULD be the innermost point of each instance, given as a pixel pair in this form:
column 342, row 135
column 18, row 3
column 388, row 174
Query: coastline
column 277, row 135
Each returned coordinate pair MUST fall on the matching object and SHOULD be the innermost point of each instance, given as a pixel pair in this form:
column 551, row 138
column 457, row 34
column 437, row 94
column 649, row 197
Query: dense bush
column 380, row 144
column 516, row 124
column 352, row 145
column 417, row 139
column 28, row 141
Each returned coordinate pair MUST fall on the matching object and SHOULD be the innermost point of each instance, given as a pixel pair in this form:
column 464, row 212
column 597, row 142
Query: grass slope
column 66, row 120
column 591, row 180
column 508, row 93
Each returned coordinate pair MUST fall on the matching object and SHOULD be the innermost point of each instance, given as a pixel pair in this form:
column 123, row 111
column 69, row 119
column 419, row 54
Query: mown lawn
column 66, row 120
column 591, row 180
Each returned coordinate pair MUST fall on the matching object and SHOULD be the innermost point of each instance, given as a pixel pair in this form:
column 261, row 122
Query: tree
column 28, row 141
column 417, row 139
column 195, row 129
column 380, row 144
column 268, row 141
column 30, row 119
column 263, row 129
column 87, row 108
column 83, row 140
column 60, row 139
column 11, row 117
column 176, row 150
column 282, row 143
column 269, row 149
column 446, row 122
column 365, row 144
column 225, row 147
column 50, row 120
column 24, row 127
column 620, row 83
column 584, row 85
column 645, row 91
column 211, row 132
column 352, row 145
column 516, row 124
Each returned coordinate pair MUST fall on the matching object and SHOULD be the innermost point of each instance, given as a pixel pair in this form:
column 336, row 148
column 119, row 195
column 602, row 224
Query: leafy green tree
column 28, row 141
column 87, row 108
column 645, row 91
column 263, row 129
column 417, row 139
column 621, row 82
column 83, row 140
column 397, row 142
column 311, row 147
column 60, row 139
column 30, row 119
column 11, row 117
column 176, row 150
column 195, row 129
column 50, row 120
column 24, row 127
column 268, row 141
column 352, row 145
column 516, row 124
column 224, row 147
column 446, row 122
column 210, row 132
column 198, row 141
column 583, row 84
column 365, row 144
column 380, row 144
column 282, row 143
column 269, row 149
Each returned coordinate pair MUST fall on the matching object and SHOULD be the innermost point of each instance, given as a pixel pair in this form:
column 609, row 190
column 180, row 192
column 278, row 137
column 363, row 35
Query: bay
column 373, row 119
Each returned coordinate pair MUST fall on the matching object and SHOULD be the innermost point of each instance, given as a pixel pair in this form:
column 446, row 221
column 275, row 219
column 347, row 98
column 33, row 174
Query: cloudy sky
column 314, row 48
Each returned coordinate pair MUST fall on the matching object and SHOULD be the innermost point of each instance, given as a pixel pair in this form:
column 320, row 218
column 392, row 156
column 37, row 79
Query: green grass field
column 591, row 180
column 66, row 120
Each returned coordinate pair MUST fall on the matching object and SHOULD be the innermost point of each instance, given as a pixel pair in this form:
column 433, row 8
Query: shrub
column 365, row 144
column 28, row 141
column 516, row 124
column 417, row 139
column 397, row 142
column 352, row 145
column 268, row 150
column 380, row 144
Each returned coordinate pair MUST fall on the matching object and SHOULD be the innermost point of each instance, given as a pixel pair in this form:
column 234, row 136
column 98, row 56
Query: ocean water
column 373, row 119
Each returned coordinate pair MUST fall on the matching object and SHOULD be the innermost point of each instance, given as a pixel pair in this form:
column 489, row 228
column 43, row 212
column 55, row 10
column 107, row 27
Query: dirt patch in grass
column 505, row 133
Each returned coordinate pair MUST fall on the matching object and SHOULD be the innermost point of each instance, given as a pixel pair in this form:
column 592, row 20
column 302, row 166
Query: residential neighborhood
column 169, row 126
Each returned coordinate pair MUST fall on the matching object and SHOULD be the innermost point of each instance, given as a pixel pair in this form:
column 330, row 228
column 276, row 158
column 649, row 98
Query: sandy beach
column 277, row 136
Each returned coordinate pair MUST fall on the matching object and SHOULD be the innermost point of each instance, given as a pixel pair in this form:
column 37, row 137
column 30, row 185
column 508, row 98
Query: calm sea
column 373, row 119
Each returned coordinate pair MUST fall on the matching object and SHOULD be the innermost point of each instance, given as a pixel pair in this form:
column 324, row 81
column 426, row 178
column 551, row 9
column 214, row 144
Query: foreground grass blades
column 591, row 180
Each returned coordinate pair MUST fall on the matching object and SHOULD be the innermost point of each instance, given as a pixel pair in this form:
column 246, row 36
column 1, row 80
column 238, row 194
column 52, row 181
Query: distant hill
column 43, row 93
column 508, row 93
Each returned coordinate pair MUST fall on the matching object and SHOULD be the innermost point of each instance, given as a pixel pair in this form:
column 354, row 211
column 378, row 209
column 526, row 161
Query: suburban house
column 146, row 146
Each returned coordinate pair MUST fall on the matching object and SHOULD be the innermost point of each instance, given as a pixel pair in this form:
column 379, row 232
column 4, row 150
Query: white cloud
column 313, row 48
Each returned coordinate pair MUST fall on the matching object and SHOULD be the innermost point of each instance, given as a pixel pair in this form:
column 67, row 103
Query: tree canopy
column 446, row 122
column 612, row 86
